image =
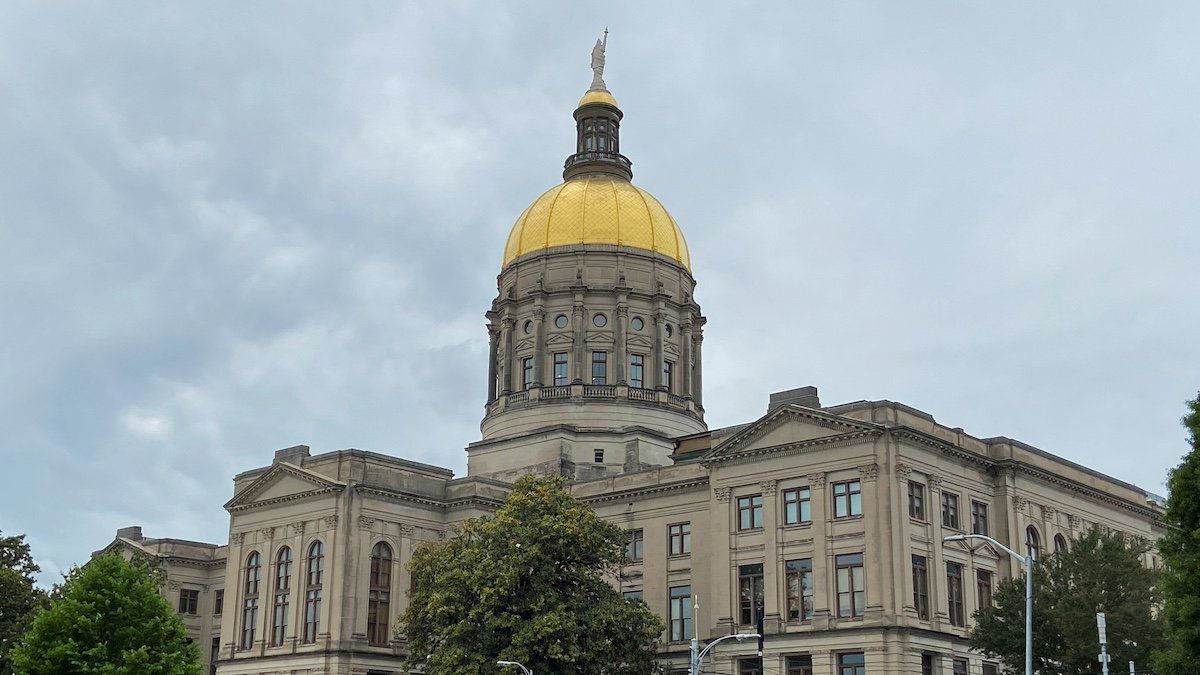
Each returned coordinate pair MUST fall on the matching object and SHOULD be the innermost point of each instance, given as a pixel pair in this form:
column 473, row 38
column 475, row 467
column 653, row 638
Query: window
column 633, row 546
column 1033, row 542
column 599, row 321
column 637, row 323
column 954, row 594
column 633, row 595
column 279, row 609
column 960, row 666
column 851, row 586
column 219, row 602
column 921, row 586
column 312, row 596
column 250, row 600
column 950, row 510
column 927, row 664
column 799, row 665
column 599, row 367
column 750, row 512
column 560, row 369
column 679, row 538
column 561, row 321
column 637, row 371
column 380, row 595
column 528, row 327
column 189, row 599
column 799, row 590
column 681, row 613
column 598, row 455
column 668, row 375
column 983, row 586
column 916, row 500
column 991, row 669
column 796, row 506
column 847, row 499
column 1060, row 544
column 852, row 664
column 526, row 372
column 979, row 518
column 750, row 593
column 750, row 666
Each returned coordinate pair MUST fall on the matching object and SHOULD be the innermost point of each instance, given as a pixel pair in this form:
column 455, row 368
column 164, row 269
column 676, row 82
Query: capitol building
column 822, row 522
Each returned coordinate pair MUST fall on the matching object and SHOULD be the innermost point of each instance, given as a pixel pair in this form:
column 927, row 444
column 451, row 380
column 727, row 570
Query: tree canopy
column 19, row 597
column 527, row 584
column 108, row 618
column 1098, row 573
column 1180, row 549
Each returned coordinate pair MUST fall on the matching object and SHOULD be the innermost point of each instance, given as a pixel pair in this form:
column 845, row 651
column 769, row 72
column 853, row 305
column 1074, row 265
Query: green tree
column 1180, row 549
column 108, row 618
column 527, row 584
column 1099, row 573
column 19, row 597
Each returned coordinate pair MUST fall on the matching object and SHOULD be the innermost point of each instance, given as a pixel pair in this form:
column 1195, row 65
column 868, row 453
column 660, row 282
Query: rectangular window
column 219, row 602
column 927, row 664
column 214, row 653
column 560, row 369
column 750, row 666
column 921, row 586
column 983, row 584
column 799, row 665
column 681, row 613
column 633, row 595
column 916, row 500
column 633, row 546
column 847, row 499
column 851, row 586
column 189, row 601
column 979, row 518
column 954, row 594
column 679, row 537
column 797, row 507
column 950, row 510
column 599, row 455
column 668, row 379
column 637, row 371
column 991, row 669
column 750, row 512
column 526, row 372
column 750, row 593
column 799, row 589
column 960, row 667
column 599, row 367
column 249, row 621
column 852, row 664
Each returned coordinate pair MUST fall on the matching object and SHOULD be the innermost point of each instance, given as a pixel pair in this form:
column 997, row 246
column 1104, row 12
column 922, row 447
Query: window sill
column 857, row 516
column 750, row 530
column 679, row 556
column 803, row 525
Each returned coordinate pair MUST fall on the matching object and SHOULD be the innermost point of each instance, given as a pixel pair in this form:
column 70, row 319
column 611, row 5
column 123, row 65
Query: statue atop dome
column 598, row 62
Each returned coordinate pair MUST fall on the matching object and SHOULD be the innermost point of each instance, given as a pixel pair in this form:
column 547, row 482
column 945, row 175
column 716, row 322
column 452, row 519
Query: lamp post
column 1027, row 562
column 514, row 663
column 698, row 656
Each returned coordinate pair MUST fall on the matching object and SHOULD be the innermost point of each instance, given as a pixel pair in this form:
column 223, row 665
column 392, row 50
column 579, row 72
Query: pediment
column 975, row 547
column 640, row 341
column 525, row 344
column 791, row 427
column 283, row 482
column 600, row 338
column 671, row 349
column 559, row 339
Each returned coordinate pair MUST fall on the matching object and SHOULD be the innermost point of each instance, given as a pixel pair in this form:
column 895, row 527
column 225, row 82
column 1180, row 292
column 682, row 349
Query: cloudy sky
column 231, row 228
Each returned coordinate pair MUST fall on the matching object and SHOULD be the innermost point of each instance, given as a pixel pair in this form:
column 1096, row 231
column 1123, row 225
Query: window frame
column 951, row 517
column 635, row 545
column 751, row 593
column 189, row 601
column 563, row 377
column 599, row 368
column 798, row 664
column 526, row 373
column 679, row 539
column 749, row 513
column 980, row 519
column 921, row 586
column 956, row 607
column 984, row 588
column 679, row 598
column 250, row 589
column 799, row 582
column 313, row 591
column 668, row 375
column 853, row 507
column 845, row 666
column 1033, row 541
column 917, row 501
column 637, row 371
column 281, row 598
column 858, row 605
column 801, row 499
column 379, row 595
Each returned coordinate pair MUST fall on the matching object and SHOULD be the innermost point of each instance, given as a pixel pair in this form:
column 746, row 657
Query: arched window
column 1060, row 544
column 312, row 595
column 283, row 588
column 380, row 594
column 1033, row 543
column 250, row 599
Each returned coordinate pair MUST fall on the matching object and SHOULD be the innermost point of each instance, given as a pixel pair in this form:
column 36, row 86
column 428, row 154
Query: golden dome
column 597, row 96
column 597, row 210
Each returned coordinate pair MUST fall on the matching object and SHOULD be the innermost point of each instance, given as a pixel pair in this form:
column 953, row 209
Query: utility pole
column 1100, row 626
column 1131, row 670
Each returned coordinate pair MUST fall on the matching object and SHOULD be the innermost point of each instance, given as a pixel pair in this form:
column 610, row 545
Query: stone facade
column 813, row 520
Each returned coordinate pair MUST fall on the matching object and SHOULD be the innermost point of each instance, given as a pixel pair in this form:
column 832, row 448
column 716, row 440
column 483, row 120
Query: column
column 698, row 382
column 656, row 374
column 685, row 365
column 876, row 556
column 493, row 345
column 580, row 340
column 619, row 355
column 539, row 346
column 506, row 362
column 823, row 570
column 939, row 613
column 772, row 584
column 720, row 607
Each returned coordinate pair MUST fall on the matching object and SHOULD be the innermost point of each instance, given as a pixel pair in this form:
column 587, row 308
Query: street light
column 1027, row 562
column 514, row 663
column 698, row 657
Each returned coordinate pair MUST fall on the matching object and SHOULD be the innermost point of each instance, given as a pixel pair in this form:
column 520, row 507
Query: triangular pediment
column 671, row 349
column 975, row 547
column 640, row 341
column 525, row 344
column 559, row 339
column 790, row 427
column 283, row 482
column 599, row 338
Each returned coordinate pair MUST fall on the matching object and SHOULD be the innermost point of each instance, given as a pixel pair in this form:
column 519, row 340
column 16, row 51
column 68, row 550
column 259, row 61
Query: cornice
column 249, row 506
column 677, row 486
column 775, row 418
column 794, row 448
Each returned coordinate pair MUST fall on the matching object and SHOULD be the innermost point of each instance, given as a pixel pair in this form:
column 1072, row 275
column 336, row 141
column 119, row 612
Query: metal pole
column 1131, row 669
column 1101, row 628
column 1029, row 613
column 692, row 670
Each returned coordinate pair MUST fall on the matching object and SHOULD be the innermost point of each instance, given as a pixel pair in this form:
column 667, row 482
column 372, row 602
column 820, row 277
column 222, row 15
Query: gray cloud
column 227, row 229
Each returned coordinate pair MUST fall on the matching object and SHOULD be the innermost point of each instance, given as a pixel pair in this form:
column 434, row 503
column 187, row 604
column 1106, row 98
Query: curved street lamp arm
column 1024, row 560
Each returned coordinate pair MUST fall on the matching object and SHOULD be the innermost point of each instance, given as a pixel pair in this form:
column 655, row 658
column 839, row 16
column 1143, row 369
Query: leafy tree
column 1180, row 549
column 108, row 618
column 527, row 584
column 19, row 598
column 1099, row 573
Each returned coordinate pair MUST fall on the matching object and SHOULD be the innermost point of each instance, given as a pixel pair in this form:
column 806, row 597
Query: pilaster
column 722, row 565
column 823, row 594
column 772, row 616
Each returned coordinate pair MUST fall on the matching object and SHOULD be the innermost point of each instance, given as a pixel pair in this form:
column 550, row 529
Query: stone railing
column 599, row 391
column 555, row 392
column 576, row 392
